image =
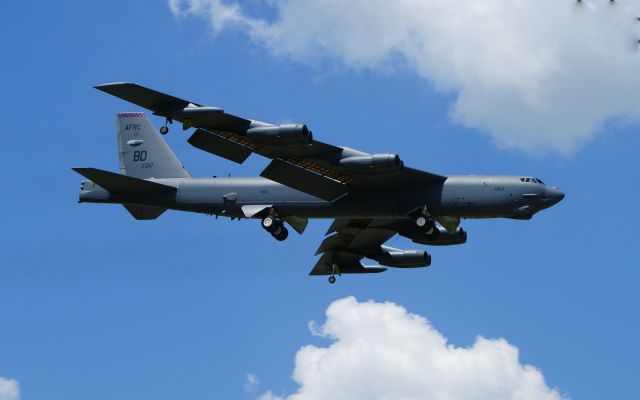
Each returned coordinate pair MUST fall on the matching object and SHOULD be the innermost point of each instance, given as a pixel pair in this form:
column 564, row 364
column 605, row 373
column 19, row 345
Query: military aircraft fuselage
column 471, row 196
column 370, row 197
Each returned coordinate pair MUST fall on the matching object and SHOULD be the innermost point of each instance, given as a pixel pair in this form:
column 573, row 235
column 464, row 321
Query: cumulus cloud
column 251, row 384
column 381, row 351
column 539, row 76
column 9, row 389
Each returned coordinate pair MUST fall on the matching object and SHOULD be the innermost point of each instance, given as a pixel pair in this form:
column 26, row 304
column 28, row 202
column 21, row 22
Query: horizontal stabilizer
column 304, row 180
column 123, row 184
column 144, row 212
column 220, row 146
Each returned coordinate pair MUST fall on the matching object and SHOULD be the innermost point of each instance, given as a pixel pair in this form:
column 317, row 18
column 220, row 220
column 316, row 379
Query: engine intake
column 374, row 163
column 404, row 258
column 281, row 135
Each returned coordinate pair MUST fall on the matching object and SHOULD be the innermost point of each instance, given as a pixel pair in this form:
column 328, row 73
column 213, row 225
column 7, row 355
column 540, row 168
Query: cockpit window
column 534, row 180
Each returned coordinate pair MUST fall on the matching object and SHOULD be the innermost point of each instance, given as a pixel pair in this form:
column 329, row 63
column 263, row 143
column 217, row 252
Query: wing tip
column 105, row 86
column 82, row 170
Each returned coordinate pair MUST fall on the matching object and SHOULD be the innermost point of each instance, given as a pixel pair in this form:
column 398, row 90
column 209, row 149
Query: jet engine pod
column 201, row 112
column 281, row 135
column 404, row 258
column 443, row 239
column 374, row 163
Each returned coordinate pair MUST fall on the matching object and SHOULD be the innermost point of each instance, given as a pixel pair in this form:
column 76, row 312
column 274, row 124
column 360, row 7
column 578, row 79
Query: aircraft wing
column 354, row 240
column 311, row 166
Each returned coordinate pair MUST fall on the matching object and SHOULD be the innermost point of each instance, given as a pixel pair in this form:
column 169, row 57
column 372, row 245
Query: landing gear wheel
column 432, row 232
column 280, row 233
column 421, row 221
column 164, row 130
column 270, row 223
column 428, row 230
column 332, row 279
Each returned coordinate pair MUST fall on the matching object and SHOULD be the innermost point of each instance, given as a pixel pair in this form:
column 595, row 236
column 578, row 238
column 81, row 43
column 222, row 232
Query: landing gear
column 275, row 227
column 334, row 270
column 280, row 233
column 270, row 223
column 425, row 222
column 165, row 129
column 423, row 217
column 429, row 229
column 432, row 232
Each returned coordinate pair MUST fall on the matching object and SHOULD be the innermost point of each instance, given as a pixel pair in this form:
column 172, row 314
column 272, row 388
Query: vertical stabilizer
column 142, row 151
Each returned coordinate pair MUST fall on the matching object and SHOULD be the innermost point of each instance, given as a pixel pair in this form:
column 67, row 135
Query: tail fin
column 143, row 152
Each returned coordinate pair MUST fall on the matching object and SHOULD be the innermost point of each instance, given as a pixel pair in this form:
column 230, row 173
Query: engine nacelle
column 404, row 258
column 281, row 135
column 443, row 238
column 373, row 163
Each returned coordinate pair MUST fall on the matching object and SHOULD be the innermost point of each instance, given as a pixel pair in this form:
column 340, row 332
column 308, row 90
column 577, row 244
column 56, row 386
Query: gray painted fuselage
column 471, row 196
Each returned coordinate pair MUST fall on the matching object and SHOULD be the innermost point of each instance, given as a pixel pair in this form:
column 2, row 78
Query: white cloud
column 538, row 75
column 380, row 351
column 251, row 384
column 9, row 389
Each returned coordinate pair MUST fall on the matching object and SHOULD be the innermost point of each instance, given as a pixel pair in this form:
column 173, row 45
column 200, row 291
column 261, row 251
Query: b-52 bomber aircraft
column 371, row 197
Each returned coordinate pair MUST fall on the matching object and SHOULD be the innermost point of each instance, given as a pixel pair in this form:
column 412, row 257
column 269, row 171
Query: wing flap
column 304, row 180
column 123, row 184
column 220, row 146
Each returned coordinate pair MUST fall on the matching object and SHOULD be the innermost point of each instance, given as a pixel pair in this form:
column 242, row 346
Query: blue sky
column 95, row 304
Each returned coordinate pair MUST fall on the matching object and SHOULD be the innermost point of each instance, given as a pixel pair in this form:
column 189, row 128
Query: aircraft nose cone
column 553, row 194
